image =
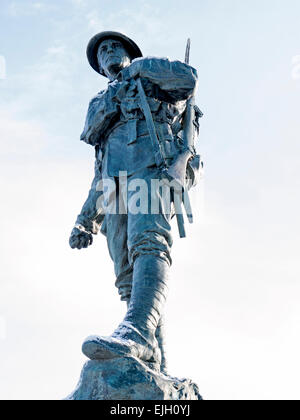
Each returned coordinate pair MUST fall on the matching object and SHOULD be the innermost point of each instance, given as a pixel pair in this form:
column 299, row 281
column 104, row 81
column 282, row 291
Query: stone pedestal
column 130, row 379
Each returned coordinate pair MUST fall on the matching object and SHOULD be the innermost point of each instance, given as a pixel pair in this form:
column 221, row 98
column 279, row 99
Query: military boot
column 160, row 337
column 135, row 336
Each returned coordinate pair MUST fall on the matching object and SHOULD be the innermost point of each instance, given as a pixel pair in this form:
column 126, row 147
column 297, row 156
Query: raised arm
column 176, row 78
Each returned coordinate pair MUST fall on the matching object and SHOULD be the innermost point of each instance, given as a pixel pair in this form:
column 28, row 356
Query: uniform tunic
column 116, row 127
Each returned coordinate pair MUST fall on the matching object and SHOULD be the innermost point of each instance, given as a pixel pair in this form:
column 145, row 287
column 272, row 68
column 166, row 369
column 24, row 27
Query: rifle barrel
column 187, row 52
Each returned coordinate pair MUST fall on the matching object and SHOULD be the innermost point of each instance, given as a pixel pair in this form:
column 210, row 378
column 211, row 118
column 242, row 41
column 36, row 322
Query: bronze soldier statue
column 135, row 126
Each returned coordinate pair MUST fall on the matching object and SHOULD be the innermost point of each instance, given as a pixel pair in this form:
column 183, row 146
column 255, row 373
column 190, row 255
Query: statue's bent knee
column 150, row 243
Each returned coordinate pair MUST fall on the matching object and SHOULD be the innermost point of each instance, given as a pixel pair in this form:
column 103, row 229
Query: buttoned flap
column 153, row 103
column 167, row 140
column 121, row 91
column 130, row 104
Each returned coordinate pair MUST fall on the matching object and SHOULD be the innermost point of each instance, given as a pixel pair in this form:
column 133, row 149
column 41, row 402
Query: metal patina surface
column 143, row 128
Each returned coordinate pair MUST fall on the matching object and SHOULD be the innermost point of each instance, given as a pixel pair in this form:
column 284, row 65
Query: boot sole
column 96, row 348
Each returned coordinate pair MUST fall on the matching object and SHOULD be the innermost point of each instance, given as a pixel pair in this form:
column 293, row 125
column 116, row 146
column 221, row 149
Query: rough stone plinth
column 129, row 379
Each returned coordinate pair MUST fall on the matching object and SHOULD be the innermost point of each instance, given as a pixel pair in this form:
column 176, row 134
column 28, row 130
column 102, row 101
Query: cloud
column 144, row 20
column 52, row 70
column 41, row 93
column 20, row 137
column 234, row 280
column 20, row 8
column 78, row 3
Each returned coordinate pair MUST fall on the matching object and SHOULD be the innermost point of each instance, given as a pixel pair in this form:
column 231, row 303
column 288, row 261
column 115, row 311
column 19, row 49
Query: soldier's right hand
column 80, row 239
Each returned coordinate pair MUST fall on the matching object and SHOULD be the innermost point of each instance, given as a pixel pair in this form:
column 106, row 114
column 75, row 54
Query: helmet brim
column 93, row 46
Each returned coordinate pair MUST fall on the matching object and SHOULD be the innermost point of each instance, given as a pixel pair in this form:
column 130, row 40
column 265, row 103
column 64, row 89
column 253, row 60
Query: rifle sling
column 159, row 159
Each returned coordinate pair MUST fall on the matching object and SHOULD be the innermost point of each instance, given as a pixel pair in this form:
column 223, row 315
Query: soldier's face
column 112, row 57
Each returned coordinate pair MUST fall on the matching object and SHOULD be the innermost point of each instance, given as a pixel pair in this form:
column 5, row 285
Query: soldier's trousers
column 135, row 233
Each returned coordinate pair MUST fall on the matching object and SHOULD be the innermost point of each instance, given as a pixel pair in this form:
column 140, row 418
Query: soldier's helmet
column 92, row 48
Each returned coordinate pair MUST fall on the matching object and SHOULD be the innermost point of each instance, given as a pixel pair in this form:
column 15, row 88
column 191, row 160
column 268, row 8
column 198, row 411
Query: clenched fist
column 80, row 239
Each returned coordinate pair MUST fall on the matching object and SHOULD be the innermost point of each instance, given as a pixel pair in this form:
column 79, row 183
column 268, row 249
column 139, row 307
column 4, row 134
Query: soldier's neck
column 113, row 73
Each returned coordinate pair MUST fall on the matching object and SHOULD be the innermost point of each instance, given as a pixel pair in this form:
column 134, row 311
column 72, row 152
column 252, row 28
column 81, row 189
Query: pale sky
column 233, row 312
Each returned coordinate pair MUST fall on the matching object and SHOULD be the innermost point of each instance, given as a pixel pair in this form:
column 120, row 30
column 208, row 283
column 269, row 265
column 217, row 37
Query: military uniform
column 116, row 127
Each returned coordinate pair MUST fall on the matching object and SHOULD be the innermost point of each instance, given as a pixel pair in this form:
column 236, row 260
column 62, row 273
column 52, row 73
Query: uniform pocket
column 167, row 140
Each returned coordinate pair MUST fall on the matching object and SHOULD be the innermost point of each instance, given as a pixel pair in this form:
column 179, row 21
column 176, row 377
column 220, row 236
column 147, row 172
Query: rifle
column 176, row 173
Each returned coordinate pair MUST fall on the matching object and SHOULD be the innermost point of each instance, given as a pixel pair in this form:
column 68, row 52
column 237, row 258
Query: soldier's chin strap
column 178, row 190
